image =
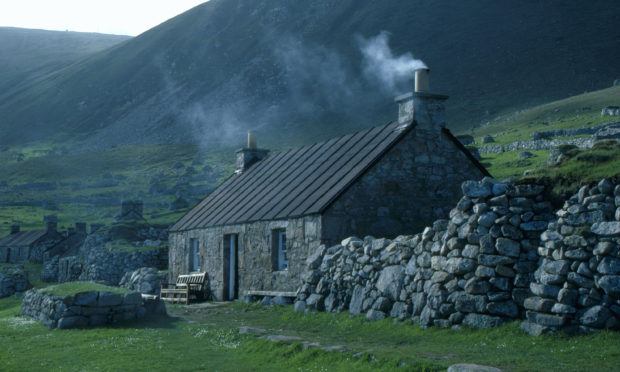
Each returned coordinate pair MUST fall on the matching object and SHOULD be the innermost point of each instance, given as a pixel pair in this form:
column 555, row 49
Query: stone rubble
column 490, row 263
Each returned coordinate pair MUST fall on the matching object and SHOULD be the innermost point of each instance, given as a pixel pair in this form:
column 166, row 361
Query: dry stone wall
column 577, row 283
column 89, row 309
column 482, row 267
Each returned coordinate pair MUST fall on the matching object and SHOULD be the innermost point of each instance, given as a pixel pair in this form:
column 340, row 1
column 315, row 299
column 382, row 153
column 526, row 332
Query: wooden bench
column 189, row 285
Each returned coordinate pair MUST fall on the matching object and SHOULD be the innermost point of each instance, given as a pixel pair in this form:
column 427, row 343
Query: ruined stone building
column 28, row 246
column 254, row 232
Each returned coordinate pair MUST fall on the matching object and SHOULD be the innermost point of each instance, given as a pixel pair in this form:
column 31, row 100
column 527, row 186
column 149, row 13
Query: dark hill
column 28, row 54
column 294, row 70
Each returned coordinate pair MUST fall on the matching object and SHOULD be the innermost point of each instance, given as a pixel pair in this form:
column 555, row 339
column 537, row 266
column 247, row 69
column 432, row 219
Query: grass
column 72, row 288
column 574, row 112
column 210, row 341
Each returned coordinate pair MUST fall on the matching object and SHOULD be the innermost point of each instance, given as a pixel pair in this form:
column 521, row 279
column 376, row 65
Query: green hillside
column 89, row 185
column 581, row 166
column 294, row 70
column 27, row 54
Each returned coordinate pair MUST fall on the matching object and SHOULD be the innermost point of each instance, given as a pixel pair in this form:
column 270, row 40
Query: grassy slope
column 489, row 56
column 26, row 54
column 575, row 112
column 76, row 178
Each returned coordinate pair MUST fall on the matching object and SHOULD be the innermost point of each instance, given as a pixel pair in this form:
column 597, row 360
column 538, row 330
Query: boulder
column 391, row 281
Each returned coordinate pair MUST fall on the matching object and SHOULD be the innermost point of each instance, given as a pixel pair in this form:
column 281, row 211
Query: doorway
column 231, row 281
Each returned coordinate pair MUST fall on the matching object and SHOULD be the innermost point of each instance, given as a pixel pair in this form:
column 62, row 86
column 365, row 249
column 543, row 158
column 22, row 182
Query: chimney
column 14, row 229
column 80, row 228
column 52, row 222
column 424, row 109
column 250, row 154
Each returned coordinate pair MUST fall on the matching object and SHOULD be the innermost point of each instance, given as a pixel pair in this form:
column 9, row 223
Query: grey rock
column 610, row 228
column 314, row 261
column 595, row 317
column 534, row 329
column 468, row 303
column 543, row 290
column 391, row 281
column 605, row 186
column 400, row 311
column 609, row 266
column 506, row 309
column 610, row 284
column 546, row 319
column 462, row 367
column 577, row 254
column 475, row 189
column 579, row 280
column 86, row 299
column 301, row 306
column 374, row 315
column 507, row 247
column 109, row 299
column 500, row 283
column 477, row 286
column 316, row 301
column 603, row 248
column 487, row 245
column 484, row 272
column 72, row 322
column 563, row 309
column 357, row 298
column 494, row 260
column 534, row 226
column 459, row 266
column 487, row 219
column 557, row 267
column 482, row 320
column 538, row 304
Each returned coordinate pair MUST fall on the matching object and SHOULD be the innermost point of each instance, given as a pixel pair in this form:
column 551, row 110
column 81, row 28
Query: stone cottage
column 29, row 246
column 254, row 232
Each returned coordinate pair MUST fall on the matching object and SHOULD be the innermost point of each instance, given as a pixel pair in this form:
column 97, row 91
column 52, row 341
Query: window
column 194, row 255
column 278, row 253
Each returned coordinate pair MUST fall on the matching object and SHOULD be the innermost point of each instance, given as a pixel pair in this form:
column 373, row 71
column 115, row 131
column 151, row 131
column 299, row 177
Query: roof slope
column 22, row 238
column 296, row 182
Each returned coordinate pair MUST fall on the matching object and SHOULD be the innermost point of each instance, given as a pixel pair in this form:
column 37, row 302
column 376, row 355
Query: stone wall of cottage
column 504, row 254
column 254, row 245
column 415, row 183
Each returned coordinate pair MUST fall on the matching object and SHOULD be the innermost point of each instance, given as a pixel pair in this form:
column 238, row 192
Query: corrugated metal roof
column 296, row 182
column 22, row 238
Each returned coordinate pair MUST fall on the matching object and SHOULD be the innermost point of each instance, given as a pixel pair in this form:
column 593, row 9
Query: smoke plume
column 380, row 65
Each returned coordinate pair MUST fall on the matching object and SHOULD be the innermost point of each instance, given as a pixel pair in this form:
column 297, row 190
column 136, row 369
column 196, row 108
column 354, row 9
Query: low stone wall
column 539, row 141
column 88, row 309
column 480, row 268
column 11, row 284
column 577, row 283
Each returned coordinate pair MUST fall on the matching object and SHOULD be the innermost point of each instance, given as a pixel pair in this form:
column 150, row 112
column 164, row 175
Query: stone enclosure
column 89, row 309
column 504, row 254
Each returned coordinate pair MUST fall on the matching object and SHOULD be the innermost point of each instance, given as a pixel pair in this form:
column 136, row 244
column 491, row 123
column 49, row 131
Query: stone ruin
column 504, row 254
column 131, row 210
